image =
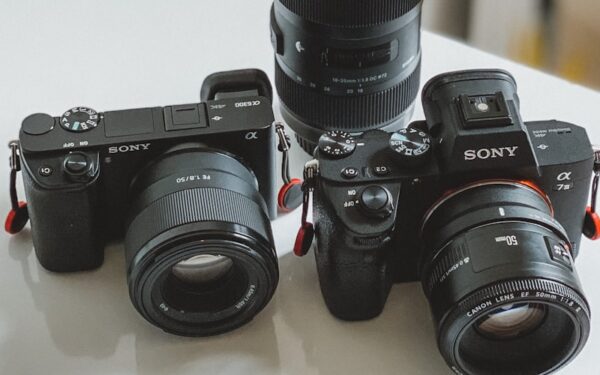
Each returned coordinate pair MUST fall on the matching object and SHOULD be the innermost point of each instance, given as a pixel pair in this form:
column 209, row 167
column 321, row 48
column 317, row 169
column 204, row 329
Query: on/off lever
column 591, row 227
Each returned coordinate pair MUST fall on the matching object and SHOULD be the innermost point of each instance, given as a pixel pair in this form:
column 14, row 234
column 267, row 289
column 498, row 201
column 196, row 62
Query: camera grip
column 65, row 226
column 355, row 279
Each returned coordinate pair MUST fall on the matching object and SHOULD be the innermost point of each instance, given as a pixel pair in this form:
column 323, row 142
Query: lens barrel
column 346, row 65
column 501, row 281
column 199, row 247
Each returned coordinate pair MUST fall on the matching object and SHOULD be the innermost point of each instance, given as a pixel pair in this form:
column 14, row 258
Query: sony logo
column 491, row 153
column 129, row 148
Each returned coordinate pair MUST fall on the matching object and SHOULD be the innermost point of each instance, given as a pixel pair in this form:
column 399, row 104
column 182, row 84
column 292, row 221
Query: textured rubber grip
column 351, row 113
column 350, row 13
column 196, row 205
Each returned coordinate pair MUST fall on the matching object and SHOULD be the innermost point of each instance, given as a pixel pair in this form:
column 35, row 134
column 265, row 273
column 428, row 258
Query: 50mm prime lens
column 350, row 65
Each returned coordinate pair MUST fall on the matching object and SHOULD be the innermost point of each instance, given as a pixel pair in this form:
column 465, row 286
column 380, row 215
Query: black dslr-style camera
column 487, row 211
column 191, row 188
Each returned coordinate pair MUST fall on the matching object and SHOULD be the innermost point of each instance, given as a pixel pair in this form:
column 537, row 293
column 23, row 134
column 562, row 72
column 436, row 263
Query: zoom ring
column 350, row 13
column 196, row 205
column 352, row 113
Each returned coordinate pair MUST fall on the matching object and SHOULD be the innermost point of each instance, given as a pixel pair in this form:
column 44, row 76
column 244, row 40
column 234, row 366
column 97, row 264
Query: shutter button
column 76, row 163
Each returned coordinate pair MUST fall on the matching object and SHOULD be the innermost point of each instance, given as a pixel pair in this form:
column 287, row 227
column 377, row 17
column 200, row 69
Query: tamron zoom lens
column 200, row 253
column 504, row 292
column 350, row 65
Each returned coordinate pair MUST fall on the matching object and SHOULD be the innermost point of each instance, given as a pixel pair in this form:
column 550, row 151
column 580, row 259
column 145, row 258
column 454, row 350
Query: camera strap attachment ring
column 290, row 194
column 591, row 227
column 306, row 233
column 18, row 215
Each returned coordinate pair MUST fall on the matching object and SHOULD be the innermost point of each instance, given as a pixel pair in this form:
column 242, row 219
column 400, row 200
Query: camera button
column 38, row 124
column 76, row 163
column 381, row 171
column 559, row 252
column 45, row 171
column 350, row 172
column 376, row 201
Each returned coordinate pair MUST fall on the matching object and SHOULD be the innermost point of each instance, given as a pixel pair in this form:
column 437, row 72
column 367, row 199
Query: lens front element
column 512, row 321
column 202, row 269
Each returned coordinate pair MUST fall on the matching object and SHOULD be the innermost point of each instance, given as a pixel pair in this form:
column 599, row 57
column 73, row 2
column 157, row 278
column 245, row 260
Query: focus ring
column 350, row 13
column 352, row 113
column 196, row 205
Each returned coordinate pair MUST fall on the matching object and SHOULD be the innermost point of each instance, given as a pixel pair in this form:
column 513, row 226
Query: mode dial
column 376, row 202
column 411, row 146
column 79, row 119
column 337, row 144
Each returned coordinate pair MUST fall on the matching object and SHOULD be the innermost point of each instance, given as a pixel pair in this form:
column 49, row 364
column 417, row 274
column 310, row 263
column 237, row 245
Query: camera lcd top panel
column 84, row 128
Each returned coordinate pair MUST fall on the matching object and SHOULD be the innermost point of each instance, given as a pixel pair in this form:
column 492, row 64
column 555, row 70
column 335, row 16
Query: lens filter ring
column 209, row 307
column 551, row 343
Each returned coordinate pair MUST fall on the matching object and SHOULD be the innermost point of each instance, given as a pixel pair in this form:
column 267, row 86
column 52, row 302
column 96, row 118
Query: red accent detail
column 595, row 219
column 283, row 191
column 299, row 245
column 10, row 219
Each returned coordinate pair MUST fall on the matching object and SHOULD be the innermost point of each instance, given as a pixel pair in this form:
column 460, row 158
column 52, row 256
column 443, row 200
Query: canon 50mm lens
column 350, row 65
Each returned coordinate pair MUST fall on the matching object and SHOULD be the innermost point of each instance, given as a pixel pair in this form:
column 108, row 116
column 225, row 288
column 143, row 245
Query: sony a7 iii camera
column 191, row 188
column 487, row 211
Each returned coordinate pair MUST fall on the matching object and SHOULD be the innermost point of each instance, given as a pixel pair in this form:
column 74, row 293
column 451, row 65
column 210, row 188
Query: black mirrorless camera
column 191, row 188
column 487, row 211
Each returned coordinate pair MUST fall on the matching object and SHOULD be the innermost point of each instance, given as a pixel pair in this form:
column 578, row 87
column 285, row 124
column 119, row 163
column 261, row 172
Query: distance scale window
column 338, row 58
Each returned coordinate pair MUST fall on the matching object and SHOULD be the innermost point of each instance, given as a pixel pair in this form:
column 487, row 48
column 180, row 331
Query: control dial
column 376, row 202
column 79, row 119
column 412, row 147
column 337, row 144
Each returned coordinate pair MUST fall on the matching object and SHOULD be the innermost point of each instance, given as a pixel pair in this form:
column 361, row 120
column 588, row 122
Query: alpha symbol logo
column 251, row 136
column 491, row 153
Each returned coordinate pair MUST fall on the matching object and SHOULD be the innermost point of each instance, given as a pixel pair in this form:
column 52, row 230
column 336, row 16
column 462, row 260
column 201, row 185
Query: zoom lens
column 349, row 65
column 501, row 282
column 200, row 253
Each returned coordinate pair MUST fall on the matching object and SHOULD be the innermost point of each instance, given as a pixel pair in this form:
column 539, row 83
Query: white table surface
column 117, row 54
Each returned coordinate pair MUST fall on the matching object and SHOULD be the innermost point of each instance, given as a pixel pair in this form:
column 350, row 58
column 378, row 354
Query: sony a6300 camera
column 191, row 188
column 486, row 210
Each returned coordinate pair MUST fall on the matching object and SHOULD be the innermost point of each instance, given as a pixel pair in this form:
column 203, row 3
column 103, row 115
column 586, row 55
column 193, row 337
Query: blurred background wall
column 560, row 36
